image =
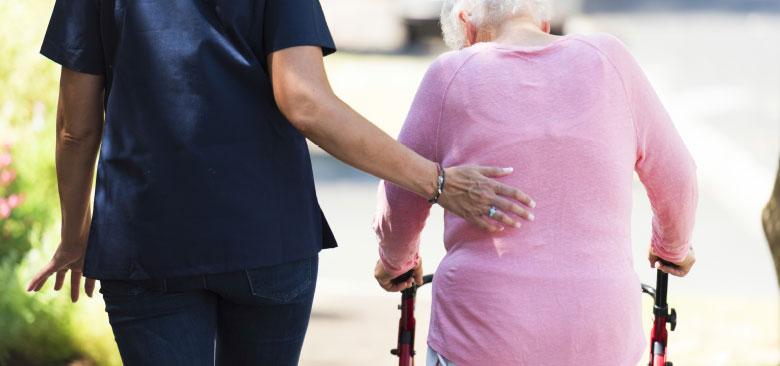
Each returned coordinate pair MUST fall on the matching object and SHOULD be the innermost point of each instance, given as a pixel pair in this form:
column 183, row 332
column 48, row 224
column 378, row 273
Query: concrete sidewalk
column 355, row 330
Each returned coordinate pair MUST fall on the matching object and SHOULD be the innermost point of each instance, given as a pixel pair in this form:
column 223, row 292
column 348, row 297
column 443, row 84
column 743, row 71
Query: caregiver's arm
column 79, row 129
column 304, row 96
column 664, row 165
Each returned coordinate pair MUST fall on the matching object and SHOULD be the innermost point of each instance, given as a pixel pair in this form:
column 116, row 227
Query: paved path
column 718, row 75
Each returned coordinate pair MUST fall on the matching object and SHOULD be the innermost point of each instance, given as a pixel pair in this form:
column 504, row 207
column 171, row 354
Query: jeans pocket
column 283, row 283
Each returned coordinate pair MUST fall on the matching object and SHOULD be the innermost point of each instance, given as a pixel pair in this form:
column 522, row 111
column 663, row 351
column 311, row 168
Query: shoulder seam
column 441, row 102
column 622, row 84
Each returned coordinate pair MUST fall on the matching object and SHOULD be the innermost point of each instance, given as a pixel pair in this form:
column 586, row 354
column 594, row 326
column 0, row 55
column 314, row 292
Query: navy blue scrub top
column 199, row 172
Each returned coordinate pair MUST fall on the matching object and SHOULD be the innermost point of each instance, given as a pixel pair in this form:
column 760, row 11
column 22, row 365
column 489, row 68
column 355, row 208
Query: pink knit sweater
column 574, row 119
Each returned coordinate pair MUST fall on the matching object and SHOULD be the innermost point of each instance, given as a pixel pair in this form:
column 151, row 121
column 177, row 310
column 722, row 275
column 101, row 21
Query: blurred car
column 421, row 17
column 562, row 11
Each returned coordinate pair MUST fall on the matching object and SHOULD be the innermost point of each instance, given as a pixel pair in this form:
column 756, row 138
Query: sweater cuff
column 397, row 268
column 674, row 256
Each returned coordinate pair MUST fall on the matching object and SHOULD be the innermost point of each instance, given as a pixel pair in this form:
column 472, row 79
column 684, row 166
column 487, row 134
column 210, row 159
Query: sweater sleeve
column 663, row 163
column 401, row 214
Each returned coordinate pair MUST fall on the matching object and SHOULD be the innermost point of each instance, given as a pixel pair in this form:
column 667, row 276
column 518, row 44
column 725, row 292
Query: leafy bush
column 28, row 324
column 45, row 328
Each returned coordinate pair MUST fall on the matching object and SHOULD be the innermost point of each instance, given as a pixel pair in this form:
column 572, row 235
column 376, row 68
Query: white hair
column 486, row 13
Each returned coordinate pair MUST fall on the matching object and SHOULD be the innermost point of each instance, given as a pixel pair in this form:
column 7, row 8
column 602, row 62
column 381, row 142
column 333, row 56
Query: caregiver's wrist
column 73, row 246
column 427, row 180
column 440, row 180
column 74, row 238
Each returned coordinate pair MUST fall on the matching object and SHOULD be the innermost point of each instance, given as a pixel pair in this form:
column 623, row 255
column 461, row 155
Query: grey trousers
column 435, row 359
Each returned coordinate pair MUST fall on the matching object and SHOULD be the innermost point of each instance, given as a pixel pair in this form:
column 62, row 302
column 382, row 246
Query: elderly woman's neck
column 521, row 30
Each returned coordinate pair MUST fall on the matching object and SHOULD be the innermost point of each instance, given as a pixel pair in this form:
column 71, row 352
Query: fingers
column 652, row 258
column 514, row 193
column 679, row 269
column 487, row 224
column 671, row 269
column 64, row 260
column 494, row 172
column 391, row 287
column 386, row 282
column 60, row 279
column 40, row 279
column 89, row 286
column 510, row 207
column 475, row 192
column 75, row 285
column 505, row 219
column 505, row 206
column 418, row 273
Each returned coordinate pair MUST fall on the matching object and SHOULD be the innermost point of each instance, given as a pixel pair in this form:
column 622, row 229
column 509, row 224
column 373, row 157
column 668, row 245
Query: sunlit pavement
column 719, row 76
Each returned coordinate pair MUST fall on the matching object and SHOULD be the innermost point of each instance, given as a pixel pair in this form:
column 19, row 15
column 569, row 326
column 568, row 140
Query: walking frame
column 662, row 315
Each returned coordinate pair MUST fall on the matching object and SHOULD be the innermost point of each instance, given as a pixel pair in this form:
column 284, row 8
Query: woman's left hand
column 64, row 260
column 679, row 269
column 385, row 280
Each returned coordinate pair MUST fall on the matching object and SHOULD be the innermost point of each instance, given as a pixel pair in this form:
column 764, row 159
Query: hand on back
column 470, row 192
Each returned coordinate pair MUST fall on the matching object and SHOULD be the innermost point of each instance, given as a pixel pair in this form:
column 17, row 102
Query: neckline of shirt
column 529, row 49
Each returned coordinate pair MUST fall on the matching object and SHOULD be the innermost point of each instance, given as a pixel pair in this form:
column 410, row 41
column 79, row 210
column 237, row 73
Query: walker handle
column 403, row 278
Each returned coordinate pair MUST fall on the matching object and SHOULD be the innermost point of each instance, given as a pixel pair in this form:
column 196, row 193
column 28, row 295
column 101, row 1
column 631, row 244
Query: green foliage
column 33, row 331
column 44, row 328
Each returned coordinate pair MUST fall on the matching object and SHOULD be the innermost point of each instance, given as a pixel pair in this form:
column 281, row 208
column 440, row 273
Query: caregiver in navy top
column 204, row 178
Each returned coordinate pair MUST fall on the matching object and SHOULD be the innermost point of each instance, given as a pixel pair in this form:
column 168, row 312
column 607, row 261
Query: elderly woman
column 577, row 117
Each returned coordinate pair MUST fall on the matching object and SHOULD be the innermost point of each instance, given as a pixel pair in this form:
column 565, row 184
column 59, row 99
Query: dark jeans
column 253, row 317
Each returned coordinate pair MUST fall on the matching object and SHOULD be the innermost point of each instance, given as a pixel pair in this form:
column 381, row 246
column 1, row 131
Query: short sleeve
column 290, row 23
column 73, row 37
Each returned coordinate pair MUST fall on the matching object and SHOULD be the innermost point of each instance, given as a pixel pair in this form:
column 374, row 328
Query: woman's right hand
column 387, row 281
column 470, row 192
column 679, row 269
column 65, row 259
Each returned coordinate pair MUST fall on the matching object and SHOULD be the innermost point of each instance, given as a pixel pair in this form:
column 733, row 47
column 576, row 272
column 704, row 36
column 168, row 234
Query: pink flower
column 5, row 209
column 14, row 201
column 5, row 159
column 6, row 177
